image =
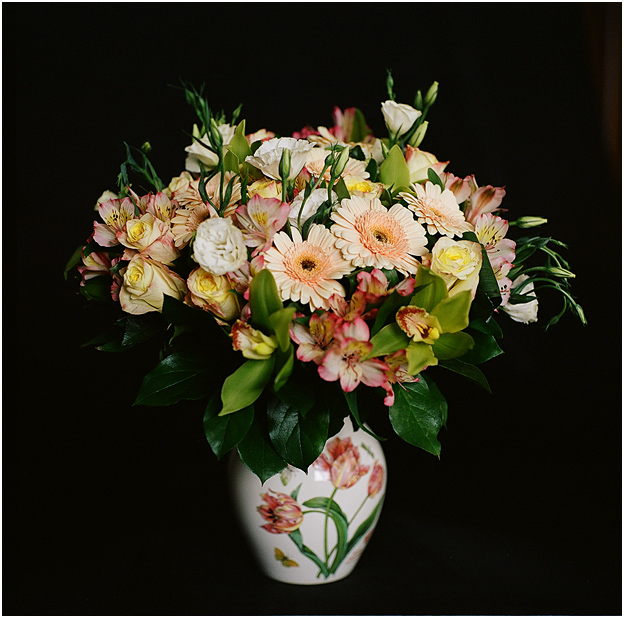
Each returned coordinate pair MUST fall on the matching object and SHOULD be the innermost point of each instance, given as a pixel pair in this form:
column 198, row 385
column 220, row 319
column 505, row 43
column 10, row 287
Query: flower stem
column 359, row 509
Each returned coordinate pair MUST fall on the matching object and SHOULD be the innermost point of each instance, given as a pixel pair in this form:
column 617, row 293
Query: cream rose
column 150, row 236
column 219, row 246
column 458, row 262
column 199, row 155
column 268, row 156
column 399, row 117
column 145, row 283
column 213, row 293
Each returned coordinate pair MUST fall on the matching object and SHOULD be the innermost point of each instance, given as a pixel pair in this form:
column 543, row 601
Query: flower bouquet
column 291, row 282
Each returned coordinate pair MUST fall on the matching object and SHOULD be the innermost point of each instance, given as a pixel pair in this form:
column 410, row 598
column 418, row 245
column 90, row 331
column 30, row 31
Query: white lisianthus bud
column 419, row 135
column 219, row 246
column 339, row 165
column 199, row 155
column 432, row 95
column 399, row 117
column 526, row 222
column 269, row 155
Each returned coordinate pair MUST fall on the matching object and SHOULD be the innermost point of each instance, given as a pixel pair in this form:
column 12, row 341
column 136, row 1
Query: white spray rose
column 315, row 199
column 198, row 154
column 399, row 117
column 219, row 246
column 268, row 156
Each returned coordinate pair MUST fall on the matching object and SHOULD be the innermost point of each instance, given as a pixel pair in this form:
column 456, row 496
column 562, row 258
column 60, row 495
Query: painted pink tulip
column 282, row 512
column 341, row 463
column 375, row 482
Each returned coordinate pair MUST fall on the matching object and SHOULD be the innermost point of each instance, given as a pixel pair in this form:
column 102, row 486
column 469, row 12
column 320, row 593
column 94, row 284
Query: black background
column 114, row 509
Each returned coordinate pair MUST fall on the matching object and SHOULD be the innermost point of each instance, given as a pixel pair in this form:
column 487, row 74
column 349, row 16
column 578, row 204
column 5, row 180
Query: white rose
column 219, row 246
column 145, row 282
column 268, row 156
column 315, row 199
column 399, row 117
column 199, row 154
column 522, row 312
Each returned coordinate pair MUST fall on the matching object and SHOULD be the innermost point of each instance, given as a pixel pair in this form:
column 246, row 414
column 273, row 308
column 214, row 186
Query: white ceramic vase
column 312, row 528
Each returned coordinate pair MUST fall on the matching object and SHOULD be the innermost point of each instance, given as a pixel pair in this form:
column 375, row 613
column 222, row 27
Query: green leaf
column 238, row 144
column 264, row 300
column 418, row 414
column 467, row 370
column 419, row 356
column 257, row 453
column 388, row 340
column 176, row 377
column 98, row 288
column 359, row 129
column 452, row 312
column 140, row 328
column 489, row 327
column 298, row 439
column 74, row 260
column 485, row 348
column 351, row 399
column 225, row 432
column 434, row 178
column 394, row 170
column 179, row 313
column 245, row 385
column 388, row 310
column 451, row 345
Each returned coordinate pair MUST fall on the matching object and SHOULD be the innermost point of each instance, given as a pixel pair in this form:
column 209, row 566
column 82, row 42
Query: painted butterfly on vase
column 287, row 562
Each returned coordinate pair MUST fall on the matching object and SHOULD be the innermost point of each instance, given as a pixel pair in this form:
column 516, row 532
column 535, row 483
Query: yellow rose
column 213, row 293
column 265, row 188
column 458, row 262
column 145, row 282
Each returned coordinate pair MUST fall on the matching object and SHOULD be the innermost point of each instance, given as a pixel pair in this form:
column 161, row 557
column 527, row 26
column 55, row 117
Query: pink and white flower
column 340, row 463
column 369, row 234
column 259, row 221
column 151, row 237
column 314, row 339
column 345, row 358
column 483, row 200
column 115, row 213
column 281, row 511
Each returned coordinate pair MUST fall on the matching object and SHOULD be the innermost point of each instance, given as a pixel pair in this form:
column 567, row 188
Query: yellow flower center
column 136, row 231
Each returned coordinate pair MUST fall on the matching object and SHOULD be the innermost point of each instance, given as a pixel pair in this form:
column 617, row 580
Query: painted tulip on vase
column 299, row 283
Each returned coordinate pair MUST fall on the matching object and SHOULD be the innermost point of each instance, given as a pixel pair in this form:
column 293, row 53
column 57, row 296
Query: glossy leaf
column 359, row 129
column 246, row 384
column 429, row 288
column 467, row 370
column 351, row 399
column 257, row 453
column 280, row 322
column 485, row 348
column 176, row 377
column 418, row 414
column 225, row 432
column 298, row 439
column 388, row 340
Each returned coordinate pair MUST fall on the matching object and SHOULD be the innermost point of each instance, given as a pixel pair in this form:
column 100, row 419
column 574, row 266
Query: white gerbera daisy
column 437, row 209
column 369, row 234
column 306, row 270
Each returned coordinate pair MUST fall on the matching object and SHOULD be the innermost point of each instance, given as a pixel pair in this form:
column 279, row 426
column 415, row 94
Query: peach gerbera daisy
column 369, row 234
column 194, row 211
column 437, row 209
column 306, row 271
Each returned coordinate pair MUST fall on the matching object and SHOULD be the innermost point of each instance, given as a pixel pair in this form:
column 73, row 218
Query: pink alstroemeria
column 314, row 340
column 115, row 213
column 344, row 359
column 260, row 219
column 460, row 187
column 282, row 512
column 490, row 231
column 397, row 373
column 340, row 463
column 94, row 264
column 375, row 482
column 483, row 200
column 372, row 288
